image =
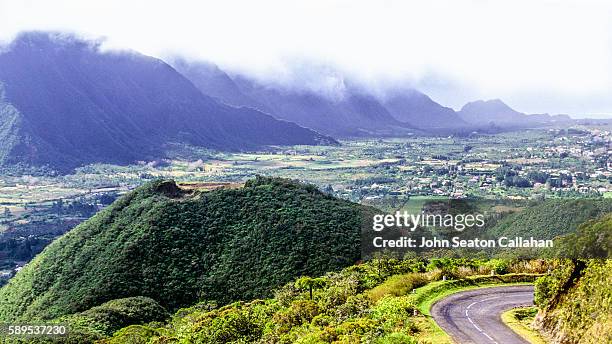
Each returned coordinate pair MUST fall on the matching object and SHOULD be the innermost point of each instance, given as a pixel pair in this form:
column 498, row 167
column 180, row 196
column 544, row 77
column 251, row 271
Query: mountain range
column 64, row 103
column 355, row 111
column 352, row 112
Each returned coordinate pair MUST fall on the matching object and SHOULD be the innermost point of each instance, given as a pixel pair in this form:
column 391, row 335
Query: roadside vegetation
column 376, row 302
column 521, row 320
column 576, row 306
column 575, row 300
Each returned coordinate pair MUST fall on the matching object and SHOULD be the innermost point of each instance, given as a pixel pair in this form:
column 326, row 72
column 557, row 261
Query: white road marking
column 489, row 337
column 467, row 315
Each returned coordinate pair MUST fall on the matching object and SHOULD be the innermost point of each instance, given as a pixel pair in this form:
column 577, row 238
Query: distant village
column 569, row 166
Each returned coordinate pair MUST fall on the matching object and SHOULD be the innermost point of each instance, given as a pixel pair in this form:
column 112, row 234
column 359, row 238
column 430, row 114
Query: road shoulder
column 519, row 320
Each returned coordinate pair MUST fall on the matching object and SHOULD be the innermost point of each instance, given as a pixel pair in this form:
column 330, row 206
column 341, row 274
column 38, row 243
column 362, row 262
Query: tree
column 309, row 283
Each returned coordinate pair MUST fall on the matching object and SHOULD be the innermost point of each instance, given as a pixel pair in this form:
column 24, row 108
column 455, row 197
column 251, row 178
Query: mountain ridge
column 354, row 112
column 496, row 112
column 79, row 105
column 418, row 109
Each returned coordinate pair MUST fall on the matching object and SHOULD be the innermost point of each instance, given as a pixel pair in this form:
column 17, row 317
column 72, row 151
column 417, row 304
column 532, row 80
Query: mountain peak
column 496, row 112
column 495, row 105
column 416, row 108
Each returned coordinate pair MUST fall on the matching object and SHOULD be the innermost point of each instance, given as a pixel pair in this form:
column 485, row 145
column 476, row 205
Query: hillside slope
column 372, row 302
column 64, row 103
column 551, row 218
column 213, row 81
column 415, row 108
column 575, row 301
column 180, row 247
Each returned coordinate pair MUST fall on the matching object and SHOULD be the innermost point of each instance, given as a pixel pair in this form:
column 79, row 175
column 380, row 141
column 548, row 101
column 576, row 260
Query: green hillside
column 575, row 301
column 552, row 218
column 179, row 247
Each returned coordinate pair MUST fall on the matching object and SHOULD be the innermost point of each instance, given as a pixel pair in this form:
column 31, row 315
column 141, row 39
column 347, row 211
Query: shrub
column 234, row 323
column 397, row 285
column 135, row 334
column 301, row 311
column 524, row 313
column 355, row 306
column 396, row 338
column 464, row 271
column 113, row 315
column 545, row 288
column 535, row 266
column 340, row 290
column 548, row 286
column 395, row 313
column 499, row 266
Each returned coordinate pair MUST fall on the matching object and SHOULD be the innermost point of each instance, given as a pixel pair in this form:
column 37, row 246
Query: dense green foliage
column 101, row 321
column 179, row 248
column 592, row 240
column 577, row 309
column 113, row 315
column 575, row 300
column 367, row 303
column 552, row 218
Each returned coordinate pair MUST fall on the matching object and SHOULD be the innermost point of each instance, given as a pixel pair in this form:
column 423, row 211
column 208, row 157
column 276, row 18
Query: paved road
column 475, row 316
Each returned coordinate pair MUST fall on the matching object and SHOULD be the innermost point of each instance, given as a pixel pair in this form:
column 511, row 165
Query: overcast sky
column 537, row 55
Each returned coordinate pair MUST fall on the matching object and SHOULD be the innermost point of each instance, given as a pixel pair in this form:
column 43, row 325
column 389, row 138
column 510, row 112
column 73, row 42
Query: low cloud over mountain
column 65, row 103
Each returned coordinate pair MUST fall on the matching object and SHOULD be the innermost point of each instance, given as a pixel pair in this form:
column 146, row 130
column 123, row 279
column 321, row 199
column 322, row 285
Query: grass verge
column 519, row 320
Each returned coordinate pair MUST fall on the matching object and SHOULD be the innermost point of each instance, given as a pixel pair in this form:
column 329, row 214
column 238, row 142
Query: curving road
column 474, row 316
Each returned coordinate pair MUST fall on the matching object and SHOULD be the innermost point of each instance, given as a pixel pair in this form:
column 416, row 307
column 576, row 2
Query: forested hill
column 64, row 102
column 552, row 218
column 179, row 247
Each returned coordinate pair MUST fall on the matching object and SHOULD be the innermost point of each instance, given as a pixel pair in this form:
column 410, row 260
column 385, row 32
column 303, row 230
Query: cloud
column 456, row 50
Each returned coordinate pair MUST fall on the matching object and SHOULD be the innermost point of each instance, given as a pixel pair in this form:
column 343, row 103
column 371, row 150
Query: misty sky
column 539, row 56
